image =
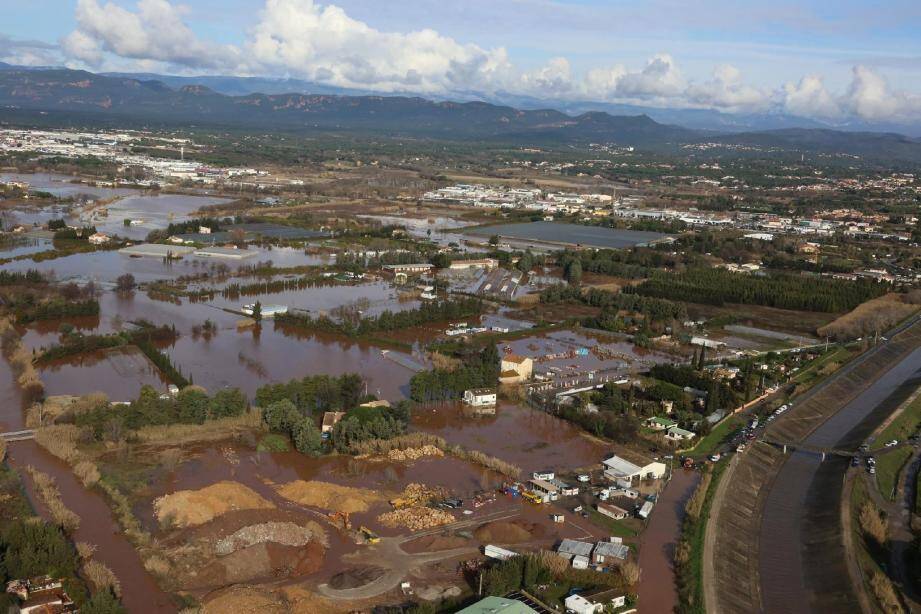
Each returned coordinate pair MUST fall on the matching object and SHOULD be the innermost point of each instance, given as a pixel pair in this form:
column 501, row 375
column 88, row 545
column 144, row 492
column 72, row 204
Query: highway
column 780, row 547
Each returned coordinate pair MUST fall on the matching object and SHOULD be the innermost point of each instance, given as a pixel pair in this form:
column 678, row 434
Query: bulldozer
column 370, row 536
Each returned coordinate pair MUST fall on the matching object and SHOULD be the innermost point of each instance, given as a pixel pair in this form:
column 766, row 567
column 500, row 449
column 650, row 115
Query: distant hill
column 73, row 97
column 127, row 98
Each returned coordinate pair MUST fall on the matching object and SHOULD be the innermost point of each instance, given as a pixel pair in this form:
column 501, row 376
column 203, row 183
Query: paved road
column 779, row 547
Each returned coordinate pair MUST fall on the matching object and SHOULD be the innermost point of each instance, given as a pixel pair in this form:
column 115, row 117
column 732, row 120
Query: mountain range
column 74, row 97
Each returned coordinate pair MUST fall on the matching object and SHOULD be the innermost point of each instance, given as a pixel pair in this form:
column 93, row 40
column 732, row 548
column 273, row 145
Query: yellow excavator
column 370, row 536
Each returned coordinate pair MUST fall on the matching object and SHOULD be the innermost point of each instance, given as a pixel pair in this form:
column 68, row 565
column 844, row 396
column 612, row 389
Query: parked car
column 892, row 443
column 872, row 470
column 714, row 458
column 584, row 477
column 855, row 461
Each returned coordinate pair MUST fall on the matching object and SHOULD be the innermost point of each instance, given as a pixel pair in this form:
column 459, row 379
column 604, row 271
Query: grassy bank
column 888, row 468
column 690, row 551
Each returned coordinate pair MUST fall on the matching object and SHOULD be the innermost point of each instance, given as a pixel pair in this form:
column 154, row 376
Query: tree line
column 718, row 286
column 293, row 407
column 387, row 320
column 192, row 405
column 479, row 368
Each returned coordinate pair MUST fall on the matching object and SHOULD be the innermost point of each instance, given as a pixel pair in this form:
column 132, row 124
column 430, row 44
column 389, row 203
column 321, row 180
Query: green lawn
column 905, row 425
column 888, row 467
column 720, row 433
column 617, row 528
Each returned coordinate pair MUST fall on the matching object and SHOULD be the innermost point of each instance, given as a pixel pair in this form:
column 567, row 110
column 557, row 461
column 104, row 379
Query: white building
column 99, row 238
column 594, row 602
column 636, row 468
column 480, row 397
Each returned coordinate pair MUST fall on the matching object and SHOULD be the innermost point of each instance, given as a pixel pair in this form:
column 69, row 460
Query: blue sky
column 832, row 60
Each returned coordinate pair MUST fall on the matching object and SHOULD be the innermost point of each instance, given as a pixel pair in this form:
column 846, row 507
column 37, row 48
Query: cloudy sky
column 834, row 61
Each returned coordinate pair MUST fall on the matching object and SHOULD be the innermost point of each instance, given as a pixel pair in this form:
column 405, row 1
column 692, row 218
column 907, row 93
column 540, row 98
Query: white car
column 892, row 443
column 584, row 478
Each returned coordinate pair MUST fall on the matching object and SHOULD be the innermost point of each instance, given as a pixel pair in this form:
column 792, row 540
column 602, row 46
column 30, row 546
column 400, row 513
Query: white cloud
column 809, row 98
column 870, row 97
column 320, row 42
column 155, row 32
column 727, row 91
column 301, row 38
column 26, row 52
column 551, row 80
column 659, row 78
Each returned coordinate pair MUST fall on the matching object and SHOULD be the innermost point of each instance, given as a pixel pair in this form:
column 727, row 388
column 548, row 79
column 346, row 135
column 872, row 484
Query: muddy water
column 107, row 265
column 532, row 439
column 246, row 358
column 657, row 589
column 97, row 524
column 118, row 373
column 154, row 210
column 380, row 296
column 61, row 186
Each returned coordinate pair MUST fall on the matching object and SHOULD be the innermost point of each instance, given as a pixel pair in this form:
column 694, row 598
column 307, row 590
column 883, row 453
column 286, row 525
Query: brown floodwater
column 532, row 439
column 371, row 298
column 657, row 590
column 119, row 373
column 105, row 266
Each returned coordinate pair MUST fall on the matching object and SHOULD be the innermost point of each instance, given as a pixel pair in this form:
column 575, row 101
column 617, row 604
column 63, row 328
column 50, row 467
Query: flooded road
column 658, row 592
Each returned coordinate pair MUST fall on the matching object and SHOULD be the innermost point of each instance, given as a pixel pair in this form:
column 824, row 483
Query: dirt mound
column 284, row 533
column 503, row 532
column 258, row 563
column 411, row 454
column 244, row 600
column 186, row 508
column 416, row 518
column 261, row 600
column 355, row 577
column 330, row 496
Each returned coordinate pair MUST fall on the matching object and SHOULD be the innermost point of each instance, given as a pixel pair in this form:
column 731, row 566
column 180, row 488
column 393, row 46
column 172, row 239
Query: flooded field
column 22, row 246
column 532, row 439
column 154, row 211
column 62, row 186
column 441, row 230
column 118, row 373
column 368, row 298
column 105, row 266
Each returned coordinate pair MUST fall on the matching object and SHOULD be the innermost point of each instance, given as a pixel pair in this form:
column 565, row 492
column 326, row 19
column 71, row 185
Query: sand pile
column 285, row 533
column 187, row 508
column 416, row 518
column 502, row 532
column 330, row 496
column 412, row 454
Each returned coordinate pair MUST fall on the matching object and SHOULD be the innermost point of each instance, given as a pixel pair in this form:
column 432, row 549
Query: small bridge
column 799, row 446
column 18, row 435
